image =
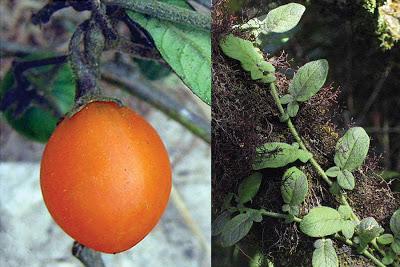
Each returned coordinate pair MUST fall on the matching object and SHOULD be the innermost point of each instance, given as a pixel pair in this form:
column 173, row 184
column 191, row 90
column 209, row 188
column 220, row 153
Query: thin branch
column 165, row 11
column 44, row 14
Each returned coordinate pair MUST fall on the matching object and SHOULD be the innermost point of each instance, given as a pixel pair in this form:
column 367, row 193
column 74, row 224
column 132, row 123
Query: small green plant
column 322, row 222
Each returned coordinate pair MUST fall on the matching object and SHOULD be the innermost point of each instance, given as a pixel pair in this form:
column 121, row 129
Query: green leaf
column 291, row 209
column 346, row 180
column 396, row 246
column 293, row 108
column 250, row 57
column 335, row 188
column 333, row 171
column 387, row 260
column 185, row 49
column 286, row 99
column 321, row 221
column 255, row 215
column 367, row 230
column 234, row 230
column 248, row 188
column 345, row 211
column 385, row 239
column 294, row 187
column 348, row 228
column 56, row 83
column 395, row 223
column 220, row 222
column 278, row 20
column 324, row 254
column 352, row 149
column 152, row 70
column 309, row 79
column 275, row 155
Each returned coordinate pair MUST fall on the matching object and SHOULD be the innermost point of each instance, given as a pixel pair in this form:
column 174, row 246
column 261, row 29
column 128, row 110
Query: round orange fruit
column 105, row 177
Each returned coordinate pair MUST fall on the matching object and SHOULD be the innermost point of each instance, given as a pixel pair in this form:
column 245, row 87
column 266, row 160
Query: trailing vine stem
column 314, row 163
column 279, row 215
column 366, row 253
column 165, row 11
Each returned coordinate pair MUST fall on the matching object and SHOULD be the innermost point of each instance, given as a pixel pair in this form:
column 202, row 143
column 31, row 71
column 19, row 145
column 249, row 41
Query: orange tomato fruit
column 105, row 177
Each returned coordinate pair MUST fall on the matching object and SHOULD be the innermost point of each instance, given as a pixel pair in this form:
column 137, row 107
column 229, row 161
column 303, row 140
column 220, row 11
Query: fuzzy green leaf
column 324, row 254
column 387, row 260
column 276, row 155
column 291, row 209
column 293, row 109
column 321, row 221
column 220, row 222
column 249, row 187
column 345, row 211
column 249, row 56
column 186, row 50
column 395, row 246
column 294, row 187
column 278, row 20
column 255, row 215
column 346, row 180
column 385, row 239
column 286, row 99
column 395, row 223
column 335, row 189
column 333, row 171
column 352, row 149
column 367, row 230
column 309, row 79
column 234, row 230
column 348, row 228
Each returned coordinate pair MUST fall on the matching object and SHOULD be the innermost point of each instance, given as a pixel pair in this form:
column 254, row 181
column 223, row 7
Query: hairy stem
column 298, row 139
column 366, row 253
column 279, row 215
column 165, row 11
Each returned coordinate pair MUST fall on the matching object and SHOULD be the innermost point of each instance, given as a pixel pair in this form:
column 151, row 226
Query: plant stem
column 375, row 245
column 313, row 162
column 278, row 215
column 165, row 11
column 366, row 253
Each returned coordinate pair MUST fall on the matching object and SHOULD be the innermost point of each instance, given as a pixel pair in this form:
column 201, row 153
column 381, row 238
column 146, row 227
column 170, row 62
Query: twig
column 44, row 14
column 113, row 74
column 165, row 11
column 88, row 257
column 8, row 49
